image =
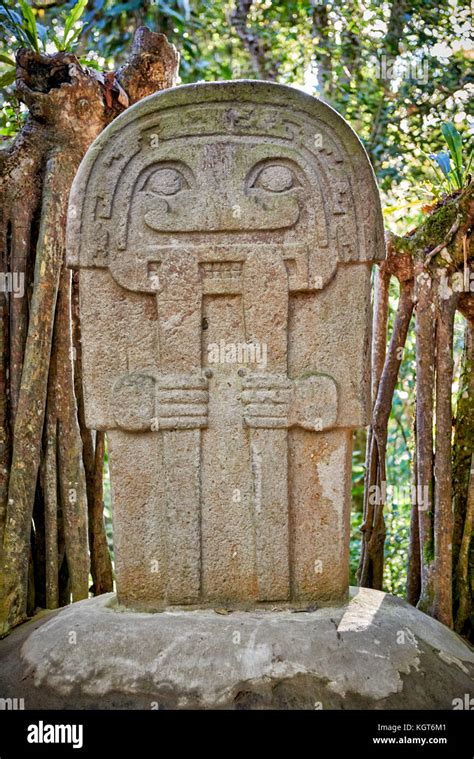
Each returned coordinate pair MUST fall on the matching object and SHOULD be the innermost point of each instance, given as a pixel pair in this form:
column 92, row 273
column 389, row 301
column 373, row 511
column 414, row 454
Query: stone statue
column 224, row 235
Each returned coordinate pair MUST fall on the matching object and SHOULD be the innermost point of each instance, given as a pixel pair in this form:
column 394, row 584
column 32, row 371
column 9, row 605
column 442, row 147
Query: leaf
column 164, row 8
column 53, row 37
column 12, row 22
column 89, row 63
column 73, row 38
column 74, row 15
column 443, row 160
column 72, row 18
column 7, row 60
column 13, row 15
column 42, row 34
column 29, row 24
column 7, row 78
column 186, row 8
column 454, row 143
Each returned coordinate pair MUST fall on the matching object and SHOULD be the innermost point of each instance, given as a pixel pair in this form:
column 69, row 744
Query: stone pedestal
column 374, row 652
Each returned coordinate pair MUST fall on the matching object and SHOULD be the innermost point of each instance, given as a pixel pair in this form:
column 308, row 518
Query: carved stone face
column 215, row 199
column 218, row 176
column 220, row 188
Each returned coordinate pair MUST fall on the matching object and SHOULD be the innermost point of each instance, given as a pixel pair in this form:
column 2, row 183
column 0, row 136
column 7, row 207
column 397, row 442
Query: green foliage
column 7, row 78
column 22, row 29
column 72, row 28
column 6, row 59
column 21, row 26
column 354, row 546
column 12, row 119
column 451, row 172
column 397, row 522
column 28, row 25
column 108, row 503
column 27, row 32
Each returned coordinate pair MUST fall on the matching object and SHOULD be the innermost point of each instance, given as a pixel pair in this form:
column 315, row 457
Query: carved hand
column 160, row 402
column 273, row 401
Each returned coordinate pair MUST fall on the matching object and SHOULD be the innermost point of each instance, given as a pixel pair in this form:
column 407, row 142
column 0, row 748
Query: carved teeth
column 226, row 269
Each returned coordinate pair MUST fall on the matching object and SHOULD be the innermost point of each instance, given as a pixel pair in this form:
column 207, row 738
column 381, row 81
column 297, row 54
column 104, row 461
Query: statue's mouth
column 243, row 217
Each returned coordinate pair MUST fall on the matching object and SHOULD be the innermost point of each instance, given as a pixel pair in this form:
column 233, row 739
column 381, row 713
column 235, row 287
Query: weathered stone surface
column 224, row 235
column 376, row 652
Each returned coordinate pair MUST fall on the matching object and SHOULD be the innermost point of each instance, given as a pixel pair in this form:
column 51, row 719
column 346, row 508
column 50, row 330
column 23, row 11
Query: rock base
column 375, row 652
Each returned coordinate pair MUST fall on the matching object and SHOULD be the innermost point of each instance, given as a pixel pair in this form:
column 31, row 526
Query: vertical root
column 443, row 514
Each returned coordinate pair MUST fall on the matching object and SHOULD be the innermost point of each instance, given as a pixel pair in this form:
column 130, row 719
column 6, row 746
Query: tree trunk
column 370, row 573
column 463, row 488
column 441, row 554
column 41, row 443
column 443, row 515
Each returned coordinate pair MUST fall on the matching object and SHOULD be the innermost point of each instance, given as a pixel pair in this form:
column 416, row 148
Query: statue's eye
column 166, row 182
column 275, row 179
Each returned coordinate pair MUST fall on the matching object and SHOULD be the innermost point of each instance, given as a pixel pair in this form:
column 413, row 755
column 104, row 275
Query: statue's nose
column 220, row 205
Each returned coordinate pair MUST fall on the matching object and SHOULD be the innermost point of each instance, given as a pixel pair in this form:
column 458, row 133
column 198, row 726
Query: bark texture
column 463, row 487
